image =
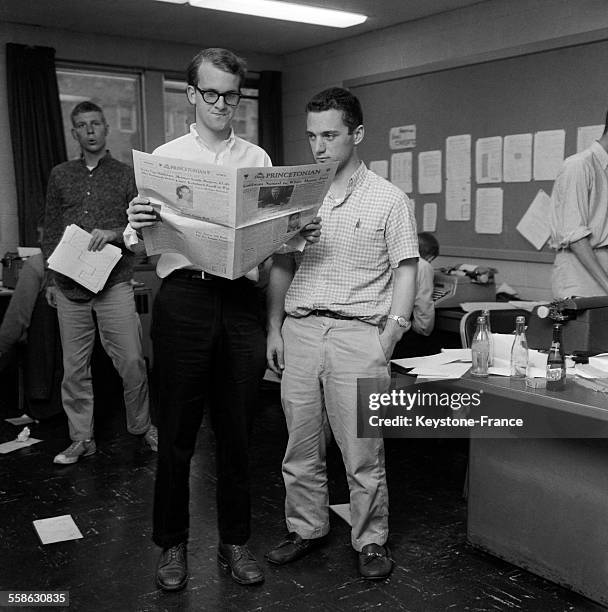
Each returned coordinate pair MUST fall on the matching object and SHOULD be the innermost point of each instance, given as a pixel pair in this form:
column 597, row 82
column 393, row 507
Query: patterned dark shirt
column 91, row 199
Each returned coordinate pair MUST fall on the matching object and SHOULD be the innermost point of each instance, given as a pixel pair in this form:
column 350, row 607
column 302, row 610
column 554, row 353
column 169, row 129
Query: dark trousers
column 209, row 350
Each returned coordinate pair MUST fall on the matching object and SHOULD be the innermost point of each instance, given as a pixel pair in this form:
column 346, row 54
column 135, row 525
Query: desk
column 542, row 504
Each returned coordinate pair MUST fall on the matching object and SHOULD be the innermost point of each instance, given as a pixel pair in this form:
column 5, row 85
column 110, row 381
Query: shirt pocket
column 367, row 247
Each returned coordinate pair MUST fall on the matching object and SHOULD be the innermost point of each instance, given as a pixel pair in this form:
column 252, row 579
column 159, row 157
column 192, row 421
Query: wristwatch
column 401, row 321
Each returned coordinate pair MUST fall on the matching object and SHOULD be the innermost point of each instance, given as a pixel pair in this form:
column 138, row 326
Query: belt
column 193, row 275
column 331, row 314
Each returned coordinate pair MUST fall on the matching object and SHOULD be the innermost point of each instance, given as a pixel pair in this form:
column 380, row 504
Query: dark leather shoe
column 172, row 568
column 240, row 562
column 291, row 548
column 375, row 562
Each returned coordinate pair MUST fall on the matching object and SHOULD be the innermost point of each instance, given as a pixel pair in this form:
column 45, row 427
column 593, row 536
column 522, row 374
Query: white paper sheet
column 57, row 529
column 471, row 306
column 434, row 361
column 24, row 419
column 548, row 154
column 458, row 200
column 88, row 268
column 402, row 137
column 429, row 172
column 534, row 225
column 488, row 160
column 458, row 157
column 401, row 171
column 586, row 134
column 488, row 210
column 517, row 158
column 380, row 167
column 429, row 217
column 13, row 445
column 450, row 370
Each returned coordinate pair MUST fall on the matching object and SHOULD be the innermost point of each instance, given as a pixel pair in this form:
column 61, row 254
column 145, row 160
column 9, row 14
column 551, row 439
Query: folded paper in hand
column 72, row 258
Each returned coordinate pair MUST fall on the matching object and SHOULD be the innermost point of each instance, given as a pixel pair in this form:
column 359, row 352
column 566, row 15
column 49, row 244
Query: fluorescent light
column 286, row 11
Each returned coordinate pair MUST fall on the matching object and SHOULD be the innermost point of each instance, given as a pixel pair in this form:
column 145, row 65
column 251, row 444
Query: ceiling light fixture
column 285, row 11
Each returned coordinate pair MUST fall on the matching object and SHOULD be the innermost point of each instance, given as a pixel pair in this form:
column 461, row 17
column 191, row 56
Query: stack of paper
column 88, row 268
column 449, row 364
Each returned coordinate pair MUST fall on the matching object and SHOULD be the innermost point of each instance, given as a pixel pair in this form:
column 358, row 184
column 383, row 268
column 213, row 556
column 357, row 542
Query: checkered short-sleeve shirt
column 349, row 271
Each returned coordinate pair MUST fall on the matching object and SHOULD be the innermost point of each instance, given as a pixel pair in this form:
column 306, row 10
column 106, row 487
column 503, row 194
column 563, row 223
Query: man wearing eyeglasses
column 209, row 345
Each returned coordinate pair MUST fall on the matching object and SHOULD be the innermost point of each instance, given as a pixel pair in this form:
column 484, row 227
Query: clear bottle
column 556, row 363
column 480, row 348
column 519, row 349
column 486, row 314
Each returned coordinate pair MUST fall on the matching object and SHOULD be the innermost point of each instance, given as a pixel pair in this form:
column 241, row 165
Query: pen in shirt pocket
column 358, row 224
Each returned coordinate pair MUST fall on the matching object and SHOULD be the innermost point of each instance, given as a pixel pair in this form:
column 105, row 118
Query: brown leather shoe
column 240, row 562
column 375, row 562
column 291, row 548
column 172, row 568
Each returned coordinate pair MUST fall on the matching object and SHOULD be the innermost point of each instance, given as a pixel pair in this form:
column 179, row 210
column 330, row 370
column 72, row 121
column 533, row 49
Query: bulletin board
column 562, row 88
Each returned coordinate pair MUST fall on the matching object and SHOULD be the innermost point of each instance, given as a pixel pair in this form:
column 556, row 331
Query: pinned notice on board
column 533, row 225
column 429, row 217
column 429, row 172
column 488, row 159
column 488, row 210
column 586, row 134
column 401, row 171
column 517, row 158
column 548, row 154
column 402, row 137
column 379, row 167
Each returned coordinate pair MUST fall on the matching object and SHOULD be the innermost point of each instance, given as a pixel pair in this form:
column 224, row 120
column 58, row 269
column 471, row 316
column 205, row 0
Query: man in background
column 347, row 304
column 579, row 223
column 92, row 192
column 208, row 344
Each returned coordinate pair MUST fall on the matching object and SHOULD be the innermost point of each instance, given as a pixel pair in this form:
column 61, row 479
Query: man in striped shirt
column 335, row 314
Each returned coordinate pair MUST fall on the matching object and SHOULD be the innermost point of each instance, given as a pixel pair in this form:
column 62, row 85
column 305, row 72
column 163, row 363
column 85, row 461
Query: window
column 179, row 113
column 120, row 98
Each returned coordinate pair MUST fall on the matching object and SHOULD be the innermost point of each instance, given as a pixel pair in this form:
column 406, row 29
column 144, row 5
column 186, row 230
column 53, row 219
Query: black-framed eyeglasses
column 210, row 96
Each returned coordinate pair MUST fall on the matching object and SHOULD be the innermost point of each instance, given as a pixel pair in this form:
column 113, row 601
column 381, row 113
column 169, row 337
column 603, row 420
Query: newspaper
column 89, row 268
column 227, row 220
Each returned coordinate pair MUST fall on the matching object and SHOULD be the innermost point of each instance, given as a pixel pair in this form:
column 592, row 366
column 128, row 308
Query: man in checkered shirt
column 335, row 314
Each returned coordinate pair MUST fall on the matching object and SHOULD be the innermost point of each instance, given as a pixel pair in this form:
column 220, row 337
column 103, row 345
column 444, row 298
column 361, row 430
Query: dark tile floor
column 109, row 495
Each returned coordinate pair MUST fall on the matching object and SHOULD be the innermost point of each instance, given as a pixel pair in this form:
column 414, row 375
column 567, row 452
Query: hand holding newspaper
column 227, row 220
column 88, row 268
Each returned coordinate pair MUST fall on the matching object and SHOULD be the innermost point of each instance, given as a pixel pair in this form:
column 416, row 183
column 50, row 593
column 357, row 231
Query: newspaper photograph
column 227, row 220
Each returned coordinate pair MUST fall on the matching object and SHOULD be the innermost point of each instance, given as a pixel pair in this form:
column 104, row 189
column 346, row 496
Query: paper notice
column 458, row 200
column 429, row 217
column 533, row 226
column 429, row 172
column 488, row 210
column 402, row 137
column 488, row 160
column 517, row 158
column 458, row 157
column 380, row 167
column 586, row 134
column 57, row 529
column 401, row 171
column 72, row 258
column 548, row 154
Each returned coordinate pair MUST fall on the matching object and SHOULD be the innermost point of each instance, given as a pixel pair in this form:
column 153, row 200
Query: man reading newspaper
column 208, row 344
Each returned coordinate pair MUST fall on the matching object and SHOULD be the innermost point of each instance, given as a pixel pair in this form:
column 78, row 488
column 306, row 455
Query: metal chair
column 501, row 322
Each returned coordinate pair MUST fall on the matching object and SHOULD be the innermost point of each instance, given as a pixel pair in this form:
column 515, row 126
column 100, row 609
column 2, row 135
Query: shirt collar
column 227, row 144
column 102, row 160
column 600, row 153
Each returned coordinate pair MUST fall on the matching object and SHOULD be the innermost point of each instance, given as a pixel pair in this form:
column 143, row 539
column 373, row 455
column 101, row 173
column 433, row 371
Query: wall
column 487, row 27
column 154, row 58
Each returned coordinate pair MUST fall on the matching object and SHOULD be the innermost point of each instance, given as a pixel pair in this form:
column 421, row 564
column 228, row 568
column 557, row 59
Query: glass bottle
column 480, row 348
column 486, row 314
column 519, row 349
column 556, row 363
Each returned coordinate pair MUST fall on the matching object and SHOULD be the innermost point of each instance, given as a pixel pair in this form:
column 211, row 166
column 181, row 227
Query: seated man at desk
column 420, row 340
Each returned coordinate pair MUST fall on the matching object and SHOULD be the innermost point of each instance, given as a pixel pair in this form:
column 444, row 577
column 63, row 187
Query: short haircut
column 85, row 107
column 338, row 99
column 220, row 58
column 427, row 245
column 180, row 188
